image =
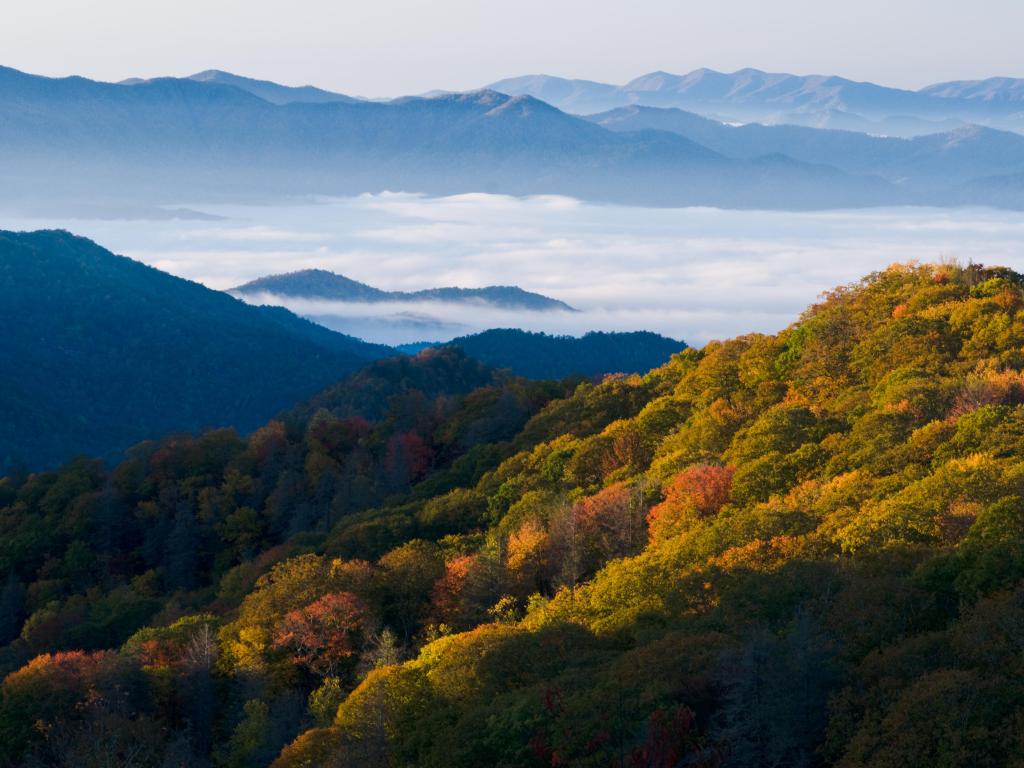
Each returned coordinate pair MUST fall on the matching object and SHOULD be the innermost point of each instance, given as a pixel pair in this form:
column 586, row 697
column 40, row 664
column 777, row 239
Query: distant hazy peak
column 525, row 104
column 485, row 96
column 275, row 93
column 210, row 74
column 312, row 283
column 271, row 91
column 538, row 79
column 656, row 81
column 321, row 284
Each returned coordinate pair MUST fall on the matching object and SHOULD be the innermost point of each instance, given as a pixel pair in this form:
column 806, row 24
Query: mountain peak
column 522, row 105
column 484, row 96
column 311, row 283
column 210, row 74
column 652, row 81
column 268, row 90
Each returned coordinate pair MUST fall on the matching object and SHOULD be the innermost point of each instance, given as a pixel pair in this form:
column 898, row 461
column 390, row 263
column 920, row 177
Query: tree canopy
column 801, row 549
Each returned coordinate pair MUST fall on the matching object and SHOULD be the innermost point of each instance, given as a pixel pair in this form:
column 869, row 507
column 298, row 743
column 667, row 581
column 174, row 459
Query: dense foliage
column 804, row 549
column 99, row 352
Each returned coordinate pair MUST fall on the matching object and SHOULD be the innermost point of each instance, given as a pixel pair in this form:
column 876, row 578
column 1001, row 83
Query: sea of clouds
column 693, row 274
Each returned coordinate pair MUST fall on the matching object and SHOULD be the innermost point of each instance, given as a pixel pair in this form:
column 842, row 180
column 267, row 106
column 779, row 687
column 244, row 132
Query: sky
column 693, row 274
column 394, row 47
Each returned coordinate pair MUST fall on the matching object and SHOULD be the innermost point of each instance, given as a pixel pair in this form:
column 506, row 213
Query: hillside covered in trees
column 544, row 356
column 99, row 352
column 804, row 549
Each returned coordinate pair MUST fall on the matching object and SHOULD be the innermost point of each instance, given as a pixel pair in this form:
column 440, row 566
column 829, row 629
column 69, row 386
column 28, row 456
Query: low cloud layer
column 390, row 322
column 693, row 274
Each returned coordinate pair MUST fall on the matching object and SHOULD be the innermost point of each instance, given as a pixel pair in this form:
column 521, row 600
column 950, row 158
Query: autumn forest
column 802, row 549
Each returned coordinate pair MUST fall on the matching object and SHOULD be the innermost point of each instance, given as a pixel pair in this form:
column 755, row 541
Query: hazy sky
column 392, row 47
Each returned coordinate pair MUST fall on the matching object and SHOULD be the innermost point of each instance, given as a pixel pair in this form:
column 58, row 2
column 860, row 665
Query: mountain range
column 169, row 139
column 952, row 156
column 820, row 101
column 321, row 284
column 216, row 136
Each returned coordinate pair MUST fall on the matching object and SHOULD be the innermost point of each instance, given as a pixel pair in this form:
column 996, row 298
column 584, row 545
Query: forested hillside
column 99, row 352
column 544, row 356
column 803, row 549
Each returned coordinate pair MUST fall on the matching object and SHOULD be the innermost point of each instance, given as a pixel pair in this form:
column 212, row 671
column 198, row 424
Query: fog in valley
column 690, row 273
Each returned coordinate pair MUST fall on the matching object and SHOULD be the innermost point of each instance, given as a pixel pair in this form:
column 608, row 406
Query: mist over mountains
column 255, row 513
column 100, row 352
column 217, row 136
column 953, row 156
column 397, row 317
column 322, row 284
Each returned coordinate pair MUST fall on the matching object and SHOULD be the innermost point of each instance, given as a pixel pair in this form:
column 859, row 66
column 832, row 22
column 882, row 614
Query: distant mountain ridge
column 322, row 284
column 958, row 155
column 171, row 139
column 821, row 101
column 75, row 141
column 544, row 356
column 267, row 90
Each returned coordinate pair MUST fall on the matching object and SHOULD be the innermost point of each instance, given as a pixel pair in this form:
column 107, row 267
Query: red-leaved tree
column 325, row 635
column 697, row 492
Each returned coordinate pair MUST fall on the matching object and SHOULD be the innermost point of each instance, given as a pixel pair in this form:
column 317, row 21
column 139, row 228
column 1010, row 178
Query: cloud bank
column 692, row 274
